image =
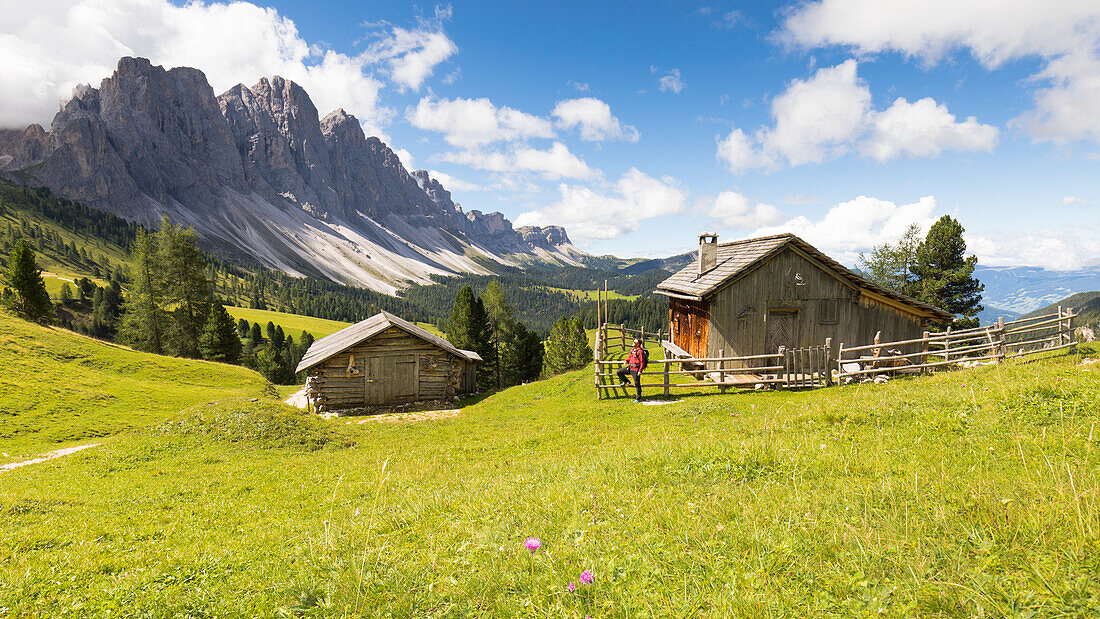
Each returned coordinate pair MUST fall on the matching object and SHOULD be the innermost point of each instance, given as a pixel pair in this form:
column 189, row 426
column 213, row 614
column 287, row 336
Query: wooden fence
column 801, row 368
column 815, row 366
column 967, row 347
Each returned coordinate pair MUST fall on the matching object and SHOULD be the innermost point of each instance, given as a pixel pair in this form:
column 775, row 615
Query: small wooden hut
column 750, row 297
column 385, row 360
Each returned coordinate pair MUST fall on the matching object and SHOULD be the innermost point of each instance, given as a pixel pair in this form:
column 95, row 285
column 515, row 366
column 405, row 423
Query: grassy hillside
column 1086, row 304
column 60, row 388
column 296, row 324
column 974, row 493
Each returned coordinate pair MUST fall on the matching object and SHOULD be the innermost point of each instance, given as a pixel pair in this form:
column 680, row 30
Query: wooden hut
column 385, row 360
column 750, row 297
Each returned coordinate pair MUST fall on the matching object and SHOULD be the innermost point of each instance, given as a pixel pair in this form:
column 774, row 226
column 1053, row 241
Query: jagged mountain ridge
column 258, row 173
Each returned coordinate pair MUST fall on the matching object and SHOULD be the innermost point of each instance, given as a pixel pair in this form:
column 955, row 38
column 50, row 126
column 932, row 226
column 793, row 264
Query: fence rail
column 992, row 344
column 815, row 366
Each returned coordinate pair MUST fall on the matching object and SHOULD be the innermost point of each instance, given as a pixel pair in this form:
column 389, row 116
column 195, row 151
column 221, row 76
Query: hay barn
column 750, row 297
column 385, row 360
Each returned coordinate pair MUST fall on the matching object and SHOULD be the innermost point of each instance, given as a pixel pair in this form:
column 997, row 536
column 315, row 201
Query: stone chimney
column 708, row 251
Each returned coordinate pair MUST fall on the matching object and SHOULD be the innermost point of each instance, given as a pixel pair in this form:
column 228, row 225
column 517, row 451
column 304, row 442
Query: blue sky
column 638, row 125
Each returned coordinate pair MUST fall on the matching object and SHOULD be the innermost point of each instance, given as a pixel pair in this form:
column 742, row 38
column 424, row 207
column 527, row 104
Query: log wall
column 392, row 367
column 790, row 300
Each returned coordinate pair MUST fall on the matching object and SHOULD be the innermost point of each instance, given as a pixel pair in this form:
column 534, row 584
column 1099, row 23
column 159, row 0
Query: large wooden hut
column 750, row 297
column 385, row 360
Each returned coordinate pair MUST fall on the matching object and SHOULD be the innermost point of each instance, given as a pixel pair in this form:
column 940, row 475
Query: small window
column 829, row 311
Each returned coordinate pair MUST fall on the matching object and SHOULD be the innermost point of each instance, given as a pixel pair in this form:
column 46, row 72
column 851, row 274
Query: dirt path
column 47, row 456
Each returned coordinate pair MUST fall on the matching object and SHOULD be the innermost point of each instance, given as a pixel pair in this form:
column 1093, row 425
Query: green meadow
column 970, row 493
column 296, row 324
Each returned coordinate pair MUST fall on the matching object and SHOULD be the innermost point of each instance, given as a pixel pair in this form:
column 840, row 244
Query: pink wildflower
column 571, row 587
column 586, row 577
column 532, row 543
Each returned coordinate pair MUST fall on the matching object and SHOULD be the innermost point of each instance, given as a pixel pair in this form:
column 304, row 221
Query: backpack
column 645, row 359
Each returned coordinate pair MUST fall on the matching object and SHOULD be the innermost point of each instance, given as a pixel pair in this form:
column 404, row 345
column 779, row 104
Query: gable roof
column 347, row 337
column 738, row 257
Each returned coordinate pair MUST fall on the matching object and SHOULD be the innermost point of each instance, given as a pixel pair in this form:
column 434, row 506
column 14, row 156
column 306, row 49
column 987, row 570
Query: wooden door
column 782, row 330
column 390, row 379
column 690, row 323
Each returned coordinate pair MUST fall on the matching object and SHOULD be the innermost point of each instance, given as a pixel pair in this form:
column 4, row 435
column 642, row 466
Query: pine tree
column 469, row 329
column 567, row 347
column 255, row 335
column 25, row 278
column 945, row 275
column 891, row 266
column 182, row 277
column 219, row 340
column 242, row 328
column 66, row 294
column 144, row 320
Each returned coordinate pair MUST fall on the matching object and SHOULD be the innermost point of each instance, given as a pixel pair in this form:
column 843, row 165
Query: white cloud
column 620, row 208
column 857, row 225
column 1058, row 250
column 830, row 113
column 451, row 183
column 739, row 153
column 405, row 156
column 593, row 118
column 578, row 86
column 50, row 47
column 1072, row 200
column 924, row 129
column 816, row 118
column 469, row 123
column 671, row 82
column 1065, row 36
column 412, row 54
column 735, row 211
column 552, row 164
column 492, row 161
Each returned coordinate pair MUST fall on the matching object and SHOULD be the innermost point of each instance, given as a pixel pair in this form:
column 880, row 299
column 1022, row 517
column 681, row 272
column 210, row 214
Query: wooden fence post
column 947, row 346
column 664, row 355
column 786, row 369
column 722, row 371
column 840, row 359
column 827, row 362
column 596, row 362
column 1001, row 347
column 924, row 353
column 1069, row 326
column 622, row 335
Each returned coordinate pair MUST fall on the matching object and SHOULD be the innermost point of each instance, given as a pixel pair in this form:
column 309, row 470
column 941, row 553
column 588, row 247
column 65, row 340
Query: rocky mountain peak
column 257, row 170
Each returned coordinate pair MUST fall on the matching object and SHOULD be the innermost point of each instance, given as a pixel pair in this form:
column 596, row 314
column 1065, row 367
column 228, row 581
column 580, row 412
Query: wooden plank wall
column 689, row 322
column 438, row 374
column 825, row 307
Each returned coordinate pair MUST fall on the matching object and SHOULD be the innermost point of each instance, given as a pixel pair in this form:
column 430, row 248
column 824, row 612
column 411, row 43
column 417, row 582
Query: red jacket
column 636, row 360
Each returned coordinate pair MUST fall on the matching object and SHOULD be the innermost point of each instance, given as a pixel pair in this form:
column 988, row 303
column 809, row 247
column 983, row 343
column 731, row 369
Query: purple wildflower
column 532, row 543
column 571, row 587
column 586, row 577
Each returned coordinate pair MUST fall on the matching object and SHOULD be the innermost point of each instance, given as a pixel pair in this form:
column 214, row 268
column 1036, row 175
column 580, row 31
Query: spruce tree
column 219, row 340
column 144, row 321
column 567, row 348
column 255, row 335
column 945, row 274
column 182, row 276
column 469, row 329
column 25, row 278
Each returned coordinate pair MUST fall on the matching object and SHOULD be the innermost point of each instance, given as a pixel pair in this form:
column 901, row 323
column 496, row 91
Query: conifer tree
column 255, row 335
column 182, row 276
column 219, row 340
column 144, row 320
column 945, row 275
column 469, row 329
column 891, row 266
column 25, row 278
column 567, row 347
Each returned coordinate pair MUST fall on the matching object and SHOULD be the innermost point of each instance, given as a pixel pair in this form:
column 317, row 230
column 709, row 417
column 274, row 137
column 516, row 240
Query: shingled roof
column 350, row 336
column 738, row 257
